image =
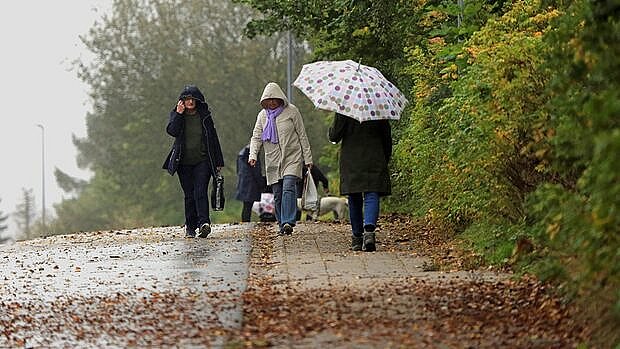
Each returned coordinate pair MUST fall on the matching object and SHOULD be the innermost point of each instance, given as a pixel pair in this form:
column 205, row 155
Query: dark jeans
column 363, row 211
column 246, row 211
column 195, row 184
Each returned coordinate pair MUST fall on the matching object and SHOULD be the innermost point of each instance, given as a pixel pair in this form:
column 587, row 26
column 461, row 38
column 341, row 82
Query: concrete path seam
column 323, row 260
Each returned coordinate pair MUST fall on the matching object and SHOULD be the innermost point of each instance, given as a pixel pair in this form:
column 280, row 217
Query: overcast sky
column 39, row 41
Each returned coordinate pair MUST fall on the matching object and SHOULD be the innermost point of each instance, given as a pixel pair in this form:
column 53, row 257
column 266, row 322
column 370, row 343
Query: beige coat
column 293, row 149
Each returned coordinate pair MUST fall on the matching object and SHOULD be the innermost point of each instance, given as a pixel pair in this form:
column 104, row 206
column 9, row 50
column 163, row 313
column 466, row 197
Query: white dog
column 339, row 206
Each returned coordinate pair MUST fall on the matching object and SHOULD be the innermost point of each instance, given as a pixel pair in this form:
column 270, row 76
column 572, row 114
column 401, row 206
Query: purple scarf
column 270, row 133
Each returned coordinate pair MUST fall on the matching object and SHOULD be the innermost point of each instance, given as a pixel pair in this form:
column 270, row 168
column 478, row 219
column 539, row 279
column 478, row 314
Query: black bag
column 217, row 192
column 171, row 164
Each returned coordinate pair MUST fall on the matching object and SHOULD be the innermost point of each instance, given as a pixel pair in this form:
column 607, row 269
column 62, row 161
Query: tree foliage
column 69, row 184
column 25, row 214
column 577, row 218
column 3, row 218
column 3, row 228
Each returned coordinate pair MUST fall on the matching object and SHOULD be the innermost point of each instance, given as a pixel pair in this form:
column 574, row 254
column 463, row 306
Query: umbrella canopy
column 352, row 89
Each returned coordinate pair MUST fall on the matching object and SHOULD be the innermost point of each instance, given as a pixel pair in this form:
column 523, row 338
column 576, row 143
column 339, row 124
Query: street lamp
column 42, row 173
column 289, row 67
column 459, row 17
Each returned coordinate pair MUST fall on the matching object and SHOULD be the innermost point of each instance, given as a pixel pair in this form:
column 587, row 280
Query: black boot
column 356, row 243
column 369, row 242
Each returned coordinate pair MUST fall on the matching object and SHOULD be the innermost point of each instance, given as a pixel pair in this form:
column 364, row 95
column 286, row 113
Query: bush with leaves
column 577, row 218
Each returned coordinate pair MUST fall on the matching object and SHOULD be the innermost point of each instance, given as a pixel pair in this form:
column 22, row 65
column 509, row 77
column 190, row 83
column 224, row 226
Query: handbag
column 217, row 192
column 171, row 164
column 310, row 196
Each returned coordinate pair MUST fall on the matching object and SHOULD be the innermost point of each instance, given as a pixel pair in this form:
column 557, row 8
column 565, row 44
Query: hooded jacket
column 293, row 148
column 176, row 129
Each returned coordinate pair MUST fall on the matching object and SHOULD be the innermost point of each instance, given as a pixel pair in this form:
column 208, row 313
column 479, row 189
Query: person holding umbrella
column 279, row 128
column 364, row 100
column 365, row 151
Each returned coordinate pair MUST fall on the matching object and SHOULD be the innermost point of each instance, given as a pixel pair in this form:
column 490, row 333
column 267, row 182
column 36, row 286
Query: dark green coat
column 365, row 151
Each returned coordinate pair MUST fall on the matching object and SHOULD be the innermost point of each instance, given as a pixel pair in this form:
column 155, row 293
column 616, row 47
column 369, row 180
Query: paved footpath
column 309, row 290
column 318, row 256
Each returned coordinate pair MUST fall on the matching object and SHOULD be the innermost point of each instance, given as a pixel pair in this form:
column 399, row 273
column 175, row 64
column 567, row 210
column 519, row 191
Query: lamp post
column 42, row 174
column 459, row 17
column 289, row 67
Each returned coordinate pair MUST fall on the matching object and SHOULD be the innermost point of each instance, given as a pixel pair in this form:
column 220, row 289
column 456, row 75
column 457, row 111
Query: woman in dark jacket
column 365, row 151
column 196, row 156
column 250, row 183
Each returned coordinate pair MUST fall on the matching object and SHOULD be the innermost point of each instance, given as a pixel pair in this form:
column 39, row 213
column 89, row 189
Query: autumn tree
column 3, row 226
column 3, row 218
column 25, row 213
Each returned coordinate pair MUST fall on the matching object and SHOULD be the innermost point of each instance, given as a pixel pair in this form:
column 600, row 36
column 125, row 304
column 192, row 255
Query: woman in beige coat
column 280, row 130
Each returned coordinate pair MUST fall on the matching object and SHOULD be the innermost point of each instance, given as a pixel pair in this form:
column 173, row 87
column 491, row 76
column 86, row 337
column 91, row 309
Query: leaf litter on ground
column 411, row 313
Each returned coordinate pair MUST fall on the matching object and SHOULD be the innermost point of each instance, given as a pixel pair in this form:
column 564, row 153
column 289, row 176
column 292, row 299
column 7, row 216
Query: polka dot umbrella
column 352, row 89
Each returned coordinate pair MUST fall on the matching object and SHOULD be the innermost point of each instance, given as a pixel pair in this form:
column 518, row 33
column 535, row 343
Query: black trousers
column 246, row 211
column 195, row 184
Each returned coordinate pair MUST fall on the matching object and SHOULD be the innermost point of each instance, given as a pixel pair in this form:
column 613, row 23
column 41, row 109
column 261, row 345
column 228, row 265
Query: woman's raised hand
column 180, row 107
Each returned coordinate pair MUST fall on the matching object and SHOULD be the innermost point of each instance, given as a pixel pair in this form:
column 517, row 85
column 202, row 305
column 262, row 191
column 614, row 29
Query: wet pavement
column 245, row 285
column 319, row 256
column 84, row 271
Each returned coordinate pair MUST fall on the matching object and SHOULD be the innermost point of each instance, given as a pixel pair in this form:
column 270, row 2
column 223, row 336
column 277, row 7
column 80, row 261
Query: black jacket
column 250, row 182
column 365, row 150
column 176, row 128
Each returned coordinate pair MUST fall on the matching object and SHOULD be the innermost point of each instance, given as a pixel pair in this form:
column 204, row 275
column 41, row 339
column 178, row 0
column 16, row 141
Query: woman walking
column 365, row 150
column 280, row 130
column 196, row 156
